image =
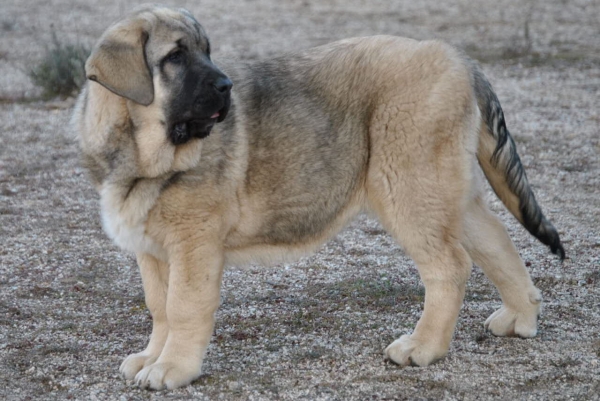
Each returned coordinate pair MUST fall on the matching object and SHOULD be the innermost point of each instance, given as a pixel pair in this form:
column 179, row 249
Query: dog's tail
column 498, row 157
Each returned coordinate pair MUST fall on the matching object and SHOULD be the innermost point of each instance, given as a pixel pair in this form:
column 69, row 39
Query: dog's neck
column 124, row 141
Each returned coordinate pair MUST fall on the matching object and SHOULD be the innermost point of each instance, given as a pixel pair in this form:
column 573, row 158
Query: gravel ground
column 71, row 304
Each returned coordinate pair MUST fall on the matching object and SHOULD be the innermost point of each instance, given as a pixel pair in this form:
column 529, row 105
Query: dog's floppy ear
column 118, row 62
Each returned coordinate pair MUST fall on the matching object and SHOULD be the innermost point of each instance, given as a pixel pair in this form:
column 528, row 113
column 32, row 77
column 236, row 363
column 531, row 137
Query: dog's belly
column 286, row 240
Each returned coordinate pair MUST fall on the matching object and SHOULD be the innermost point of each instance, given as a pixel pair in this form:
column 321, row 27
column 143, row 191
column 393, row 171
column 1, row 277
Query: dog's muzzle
column 200, row 126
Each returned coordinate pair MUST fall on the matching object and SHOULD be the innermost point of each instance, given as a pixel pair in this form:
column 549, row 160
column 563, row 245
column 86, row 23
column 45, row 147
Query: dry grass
column 61, row 73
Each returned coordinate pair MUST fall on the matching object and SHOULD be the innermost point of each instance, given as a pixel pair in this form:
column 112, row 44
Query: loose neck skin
column 126, row 161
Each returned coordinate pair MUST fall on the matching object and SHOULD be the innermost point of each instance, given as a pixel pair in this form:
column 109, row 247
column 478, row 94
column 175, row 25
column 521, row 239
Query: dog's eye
column 175, row 57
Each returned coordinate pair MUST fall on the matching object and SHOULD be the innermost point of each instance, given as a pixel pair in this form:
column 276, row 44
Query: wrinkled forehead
column 175, row 27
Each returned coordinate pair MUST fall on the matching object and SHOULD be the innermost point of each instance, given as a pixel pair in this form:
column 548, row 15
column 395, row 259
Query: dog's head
column 159, row 58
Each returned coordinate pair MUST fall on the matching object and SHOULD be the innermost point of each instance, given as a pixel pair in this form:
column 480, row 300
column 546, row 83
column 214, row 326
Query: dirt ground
column 71, row 304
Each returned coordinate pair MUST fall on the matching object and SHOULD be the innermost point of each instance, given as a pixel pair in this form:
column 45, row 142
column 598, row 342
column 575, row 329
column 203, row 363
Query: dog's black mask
column 203, row 98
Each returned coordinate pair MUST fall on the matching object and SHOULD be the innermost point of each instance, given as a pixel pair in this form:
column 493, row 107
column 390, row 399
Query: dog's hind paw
column 506, row 322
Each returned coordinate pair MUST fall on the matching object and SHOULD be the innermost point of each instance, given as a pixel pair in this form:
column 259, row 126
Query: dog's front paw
column 166, row 375
column 409, row 351
column 136, row 362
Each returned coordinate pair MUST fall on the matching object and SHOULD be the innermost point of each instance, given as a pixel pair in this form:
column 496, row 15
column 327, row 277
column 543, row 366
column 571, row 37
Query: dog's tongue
column 216, row 115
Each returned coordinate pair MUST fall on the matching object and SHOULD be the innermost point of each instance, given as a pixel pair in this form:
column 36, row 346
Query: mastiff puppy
column 194, row 175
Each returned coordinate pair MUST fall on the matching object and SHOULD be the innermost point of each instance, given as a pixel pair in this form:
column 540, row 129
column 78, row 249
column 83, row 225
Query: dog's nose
column 223, row 84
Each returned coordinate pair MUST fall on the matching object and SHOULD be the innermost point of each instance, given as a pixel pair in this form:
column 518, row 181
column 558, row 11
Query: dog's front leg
column 196, row 269
column 155, row 275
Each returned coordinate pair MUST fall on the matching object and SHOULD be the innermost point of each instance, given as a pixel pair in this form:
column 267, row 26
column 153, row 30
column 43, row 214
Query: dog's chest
column 125, row 215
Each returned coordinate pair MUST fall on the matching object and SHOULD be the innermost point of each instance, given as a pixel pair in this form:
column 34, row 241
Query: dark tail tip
column 558, row 249
column 548, row 235
column 537, row 224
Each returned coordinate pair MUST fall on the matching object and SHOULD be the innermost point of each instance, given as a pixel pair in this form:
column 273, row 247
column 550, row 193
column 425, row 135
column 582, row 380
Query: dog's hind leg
column 444, row 267
column 444, row 277
column 491, row 248
column 154, row 278
column 422, row 209
column 422, row 155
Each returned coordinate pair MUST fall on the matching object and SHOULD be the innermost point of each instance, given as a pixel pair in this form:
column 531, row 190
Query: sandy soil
column 71, row 304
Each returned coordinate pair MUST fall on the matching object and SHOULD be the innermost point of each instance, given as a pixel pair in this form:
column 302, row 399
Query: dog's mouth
column 183, row 131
